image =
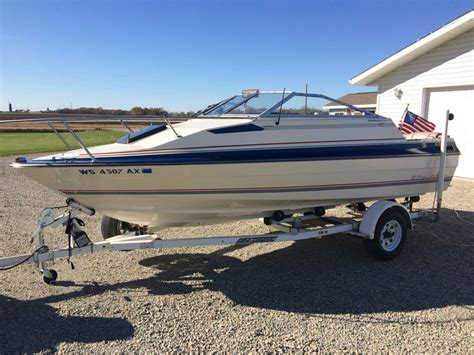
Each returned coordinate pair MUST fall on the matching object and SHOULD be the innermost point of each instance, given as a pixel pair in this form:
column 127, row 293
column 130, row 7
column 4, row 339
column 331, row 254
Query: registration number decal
column 129, row 171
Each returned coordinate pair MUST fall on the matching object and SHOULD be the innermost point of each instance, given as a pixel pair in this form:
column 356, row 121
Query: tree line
column 134, row 111
column 158, row 111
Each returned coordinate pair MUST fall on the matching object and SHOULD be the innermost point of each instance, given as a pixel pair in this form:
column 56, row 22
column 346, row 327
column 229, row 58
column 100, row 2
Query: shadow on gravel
column 319, row 277
column 32, row 326
column 335, row 275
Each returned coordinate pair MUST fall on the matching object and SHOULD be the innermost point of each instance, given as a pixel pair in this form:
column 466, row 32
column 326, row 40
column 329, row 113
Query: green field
column 26, row 143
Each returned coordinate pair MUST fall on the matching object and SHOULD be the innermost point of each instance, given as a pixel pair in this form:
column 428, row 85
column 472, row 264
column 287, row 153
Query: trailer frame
column 290, row 228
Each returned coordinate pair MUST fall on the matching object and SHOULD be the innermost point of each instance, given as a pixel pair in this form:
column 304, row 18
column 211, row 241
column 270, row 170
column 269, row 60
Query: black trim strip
column 254, row 190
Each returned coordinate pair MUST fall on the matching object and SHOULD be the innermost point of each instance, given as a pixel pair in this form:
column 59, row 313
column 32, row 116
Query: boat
column 252, row 155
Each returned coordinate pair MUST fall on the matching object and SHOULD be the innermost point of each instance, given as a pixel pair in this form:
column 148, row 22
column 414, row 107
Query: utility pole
column 306, row 101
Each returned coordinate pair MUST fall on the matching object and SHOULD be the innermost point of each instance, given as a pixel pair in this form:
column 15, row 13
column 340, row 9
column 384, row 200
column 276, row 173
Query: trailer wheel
column 390, row 236
column 52, row 279
column 112, row 227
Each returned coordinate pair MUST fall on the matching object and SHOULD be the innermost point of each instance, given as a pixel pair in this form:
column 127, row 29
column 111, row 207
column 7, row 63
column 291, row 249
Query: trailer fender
column 371, row 217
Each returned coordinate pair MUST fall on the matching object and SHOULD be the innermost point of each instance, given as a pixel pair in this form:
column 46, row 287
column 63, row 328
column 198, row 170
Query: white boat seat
column 422, row 135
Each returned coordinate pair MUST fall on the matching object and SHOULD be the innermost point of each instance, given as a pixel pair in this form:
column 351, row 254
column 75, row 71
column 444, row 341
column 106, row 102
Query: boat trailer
column 383, row 236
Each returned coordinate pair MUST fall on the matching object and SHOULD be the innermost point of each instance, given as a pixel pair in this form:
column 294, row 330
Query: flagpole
column 442, row 165
column 400, row 124
column 403, row 115
column 405, row 112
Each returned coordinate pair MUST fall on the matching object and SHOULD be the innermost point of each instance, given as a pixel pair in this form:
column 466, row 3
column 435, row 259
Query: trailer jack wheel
column 50, row 276
column 390, row 236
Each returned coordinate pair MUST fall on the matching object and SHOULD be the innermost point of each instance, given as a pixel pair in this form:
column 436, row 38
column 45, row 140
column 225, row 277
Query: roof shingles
column 359, row 98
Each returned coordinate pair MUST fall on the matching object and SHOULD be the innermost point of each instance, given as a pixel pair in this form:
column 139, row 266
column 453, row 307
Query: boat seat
column 422, row 135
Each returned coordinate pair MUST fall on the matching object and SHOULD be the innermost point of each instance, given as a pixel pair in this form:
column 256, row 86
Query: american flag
column 412, row 123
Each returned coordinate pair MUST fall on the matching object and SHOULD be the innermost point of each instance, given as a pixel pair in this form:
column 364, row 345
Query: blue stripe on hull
column 257, row 155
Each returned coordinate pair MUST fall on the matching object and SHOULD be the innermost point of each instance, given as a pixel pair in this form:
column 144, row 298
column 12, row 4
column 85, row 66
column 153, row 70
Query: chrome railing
column 64, row 122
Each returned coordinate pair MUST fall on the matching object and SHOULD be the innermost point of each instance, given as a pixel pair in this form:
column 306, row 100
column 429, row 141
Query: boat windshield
column 226, row 105
column 254, row 103
column 300, row 104
column 257, row 104
column 249, row 103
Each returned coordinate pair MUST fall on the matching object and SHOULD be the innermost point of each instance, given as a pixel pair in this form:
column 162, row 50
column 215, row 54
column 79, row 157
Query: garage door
column 459, row 101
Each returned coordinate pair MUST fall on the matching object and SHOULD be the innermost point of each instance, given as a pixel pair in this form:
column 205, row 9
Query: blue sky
column 182, row 55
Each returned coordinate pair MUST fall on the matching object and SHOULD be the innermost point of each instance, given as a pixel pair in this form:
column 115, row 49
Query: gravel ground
column 325, row 295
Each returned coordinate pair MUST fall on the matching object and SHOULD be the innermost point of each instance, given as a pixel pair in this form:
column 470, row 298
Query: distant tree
column 181, row 114
column 156, row 111
column 137, row 111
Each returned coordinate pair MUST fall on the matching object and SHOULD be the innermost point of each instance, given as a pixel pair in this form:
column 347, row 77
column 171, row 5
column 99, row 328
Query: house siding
column 451, row 64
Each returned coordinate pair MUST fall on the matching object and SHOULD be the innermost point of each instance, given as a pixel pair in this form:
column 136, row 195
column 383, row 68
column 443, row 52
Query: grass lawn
column 31, row 142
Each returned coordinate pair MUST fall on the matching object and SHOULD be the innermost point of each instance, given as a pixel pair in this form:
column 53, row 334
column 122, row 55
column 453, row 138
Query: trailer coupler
column 75, row 233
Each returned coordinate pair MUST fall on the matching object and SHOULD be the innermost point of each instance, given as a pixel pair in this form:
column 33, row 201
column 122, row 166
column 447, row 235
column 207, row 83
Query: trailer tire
column 52, row 279
column 111, row 227
column 389, row 237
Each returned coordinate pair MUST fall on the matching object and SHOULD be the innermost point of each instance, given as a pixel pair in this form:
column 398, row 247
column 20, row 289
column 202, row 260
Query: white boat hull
column 235, row 166
column 174, row 195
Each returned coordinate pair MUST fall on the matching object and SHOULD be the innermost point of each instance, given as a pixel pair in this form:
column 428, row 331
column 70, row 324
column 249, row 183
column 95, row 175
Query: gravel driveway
column 313, row 295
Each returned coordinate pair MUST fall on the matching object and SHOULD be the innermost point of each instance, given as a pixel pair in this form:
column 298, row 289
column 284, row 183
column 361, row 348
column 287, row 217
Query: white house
column 432, row 75
column 364, row 100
